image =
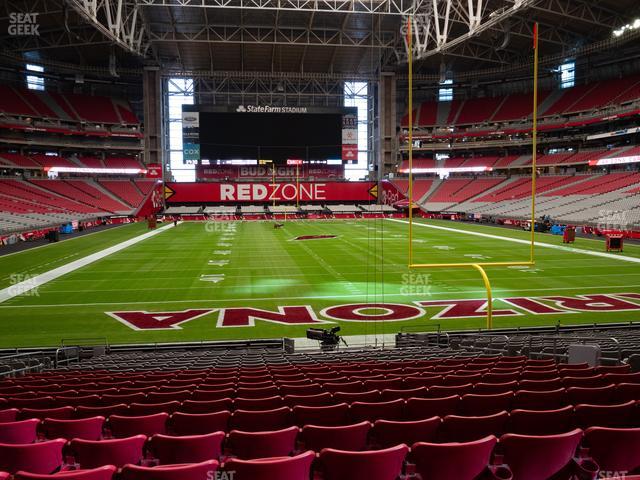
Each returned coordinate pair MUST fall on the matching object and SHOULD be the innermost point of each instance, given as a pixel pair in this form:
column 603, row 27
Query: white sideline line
column 623, row 258
column 39, row 280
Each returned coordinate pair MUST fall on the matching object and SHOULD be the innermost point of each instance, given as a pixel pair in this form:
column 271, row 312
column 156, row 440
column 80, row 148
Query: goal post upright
column 410, row 87
column 534, row 140
column 478, row 266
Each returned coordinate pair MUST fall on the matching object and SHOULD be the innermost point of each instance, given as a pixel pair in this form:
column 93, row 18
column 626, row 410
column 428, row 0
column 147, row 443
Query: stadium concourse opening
column 380, row 240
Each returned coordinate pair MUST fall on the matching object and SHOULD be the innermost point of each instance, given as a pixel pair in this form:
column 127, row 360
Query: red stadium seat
column 206, row 406
column 540, row 385
column 622, row 377
column 74, row 401
column 44, row 457
column 303, row 389
column 426, row 381
column 541, row 422
column 187, row 449
column 63, row 413
column 328, row 416
column 350, row 437
column 383, row 384
column 104, row 411
column 102, row 473
column 421, row 408
column 627, row 391
column 439, row 391
column 591, row 395
column 537, row 457
column 540, row 400
column 23, row 431
column 612, row 416
column 199, row 424
column 387, row 433
column 142, row 409
column 614, row 449
column 127, row 398
column 372, row 465
column 494, row 388
column 364, row 396
column 405, row 394
column 392, row 410
column 587, row 382
column 85, row 428
column 117, row 452
column 333, row 387
column 205, row 395
column 468, row 429
column 263, row 392
column 261, row 420
column 462, row 461
column 9, row 415
column 493, row 377
column 252, row 445
column 289, row 468
column 318, row 400
column 268, row 403
column 194, row 471
column 148, row 425
column 478, row 405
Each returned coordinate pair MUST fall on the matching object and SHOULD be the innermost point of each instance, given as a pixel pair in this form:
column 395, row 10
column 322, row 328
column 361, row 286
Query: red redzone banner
column 266, row 192
column 232, row 172
column 393, row 312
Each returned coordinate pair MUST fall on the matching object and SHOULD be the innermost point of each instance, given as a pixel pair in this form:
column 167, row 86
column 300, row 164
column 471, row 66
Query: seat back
column 84, row 428
column 195, row 471
column 614, row 449
column 117, row 452
column 19, row 432
column 387, row 433
column 462, row 461
column 187, row 449
column 536, row 457
column 102, row 473
column 377, row 464
column 44, row 457
column 350, row 437
column 289, row 468
column 252, row 445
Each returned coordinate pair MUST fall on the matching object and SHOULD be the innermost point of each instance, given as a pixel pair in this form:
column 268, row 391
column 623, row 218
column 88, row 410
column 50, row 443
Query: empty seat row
column 577, row 453
column 496, row 420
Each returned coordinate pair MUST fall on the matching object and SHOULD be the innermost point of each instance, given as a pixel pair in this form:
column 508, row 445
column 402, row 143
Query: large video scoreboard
column 271, row 133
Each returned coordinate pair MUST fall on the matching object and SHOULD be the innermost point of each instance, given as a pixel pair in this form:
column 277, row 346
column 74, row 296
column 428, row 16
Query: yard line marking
column 623, row 258
column 39, row 280
column 275, row 299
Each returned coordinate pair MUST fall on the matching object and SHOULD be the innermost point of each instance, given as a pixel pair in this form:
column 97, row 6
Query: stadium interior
column 348, row 239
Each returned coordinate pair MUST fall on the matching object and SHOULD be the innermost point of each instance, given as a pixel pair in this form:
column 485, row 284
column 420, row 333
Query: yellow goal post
column 479, row 266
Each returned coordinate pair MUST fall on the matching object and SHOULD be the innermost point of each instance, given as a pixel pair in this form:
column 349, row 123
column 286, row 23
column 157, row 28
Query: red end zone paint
column 142, row 320
column 395, row 312
column 465, row 309
column 389, row 312
column 245, row 317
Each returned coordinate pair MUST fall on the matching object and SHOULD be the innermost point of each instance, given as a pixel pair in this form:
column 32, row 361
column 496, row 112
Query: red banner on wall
column 233, row 172
column 231, row 192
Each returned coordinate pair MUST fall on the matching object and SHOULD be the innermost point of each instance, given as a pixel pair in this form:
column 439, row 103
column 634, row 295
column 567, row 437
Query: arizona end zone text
column 390, row 312
column 258, row 192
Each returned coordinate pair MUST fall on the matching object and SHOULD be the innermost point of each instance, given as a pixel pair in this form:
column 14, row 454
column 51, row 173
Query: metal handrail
column 578, row 338
column 68, row 360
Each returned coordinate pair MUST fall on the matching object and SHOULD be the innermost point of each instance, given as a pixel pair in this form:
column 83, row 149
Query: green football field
column 211, row 273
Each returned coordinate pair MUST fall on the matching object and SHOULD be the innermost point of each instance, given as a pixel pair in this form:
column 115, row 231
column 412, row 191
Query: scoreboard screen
column 278, row 134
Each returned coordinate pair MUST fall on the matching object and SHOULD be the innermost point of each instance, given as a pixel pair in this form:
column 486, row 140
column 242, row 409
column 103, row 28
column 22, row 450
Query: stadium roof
column 322, row 37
